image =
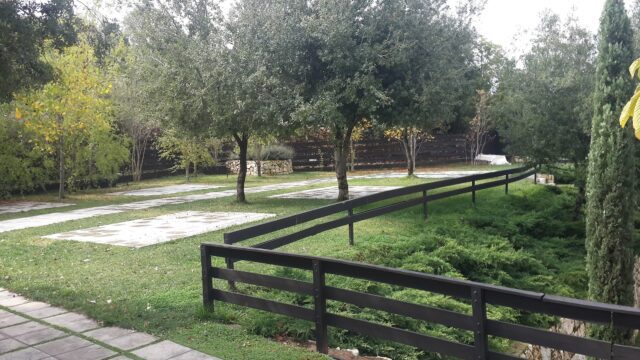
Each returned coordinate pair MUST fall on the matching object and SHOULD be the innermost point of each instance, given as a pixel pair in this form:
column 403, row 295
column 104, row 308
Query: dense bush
column 271, row 152
column 529, row 241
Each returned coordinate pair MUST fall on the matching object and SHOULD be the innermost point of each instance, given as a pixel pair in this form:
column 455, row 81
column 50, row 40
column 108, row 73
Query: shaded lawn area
column 526, row 239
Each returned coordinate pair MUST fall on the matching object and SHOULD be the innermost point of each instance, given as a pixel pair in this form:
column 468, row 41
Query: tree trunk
column 352, row 156
column 242, row 140
column 409, row 143
column 186, row 171
column 341, row 146
column 137, row 159
column 61, row 177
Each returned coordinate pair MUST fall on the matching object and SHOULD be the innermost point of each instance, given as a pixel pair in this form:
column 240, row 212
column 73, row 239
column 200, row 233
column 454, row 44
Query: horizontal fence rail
column 505, row 177
column 479, row 295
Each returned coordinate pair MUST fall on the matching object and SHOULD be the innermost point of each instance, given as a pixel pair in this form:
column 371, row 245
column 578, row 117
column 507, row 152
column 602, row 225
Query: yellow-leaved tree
column 632, row 109
column 70, row 119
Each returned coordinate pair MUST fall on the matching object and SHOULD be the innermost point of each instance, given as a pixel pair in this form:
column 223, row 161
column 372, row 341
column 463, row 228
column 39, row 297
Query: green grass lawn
column 526, row 239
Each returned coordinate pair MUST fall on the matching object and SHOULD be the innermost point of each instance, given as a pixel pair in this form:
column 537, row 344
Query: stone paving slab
column 332, row 192
column 161, row 351
column 36, row 337
column 55, row 218
column 24, row 206
column 45, row 312
column 77, row 338
column 11, row 320
column 131, row 341
column 73, row 321
column 151, row 231
column 26, row 354
column 91, row 352
column 64, row 345
column 21, row 329
column 165, row 190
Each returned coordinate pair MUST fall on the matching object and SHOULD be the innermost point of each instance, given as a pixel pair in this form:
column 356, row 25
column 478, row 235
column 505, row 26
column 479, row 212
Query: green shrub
column 271, row 152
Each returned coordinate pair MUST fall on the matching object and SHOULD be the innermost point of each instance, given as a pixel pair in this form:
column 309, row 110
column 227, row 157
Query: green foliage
column 272, row 152
column 530, row 241
column 186, row 151
column 544, row 108
column 609, row 213
column 22, row 166
column 70, row 119
column 24, row 26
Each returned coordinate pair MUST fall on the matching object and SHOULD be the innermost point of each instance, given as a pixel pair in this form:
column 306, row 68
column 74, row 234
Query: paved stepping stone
column 21, row 329
column 121, row 338
column 73, row 321
column 11, row 320
column 332, row 192
column 55, row 218
column 64, row 345
column 78, row 338
column 145, row 232
column 165, row 190
column 26, row 354
column 24, row 206
column 10, row 345
column 91, row 352
column 162, row 351
column 46, row 312
column 39, row 336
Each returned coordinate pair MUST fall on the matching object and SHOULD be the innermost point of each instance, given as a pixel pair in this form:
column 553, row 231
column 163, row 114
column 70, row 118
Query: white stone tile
column 25, row 354
column 332, row 192
column 161, row 351
column 145, row 232
column 165, row 190
column 23, row 206
column 73, row 321
column 53, row 218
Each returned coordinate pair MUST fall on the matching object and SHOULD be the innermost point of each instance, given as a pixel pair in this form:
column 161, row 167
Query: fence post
column 506, row 185
column 350, row 227
column 473, row 192
column 207, row 280
column 479, row 308
column 320, row 308
column 230, row 264
column 424, row 203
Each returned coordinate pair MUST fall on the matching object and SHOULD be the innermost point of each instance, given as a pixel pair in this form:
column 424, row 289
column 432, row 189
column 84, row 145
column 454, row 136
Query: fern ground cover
column 527, row 239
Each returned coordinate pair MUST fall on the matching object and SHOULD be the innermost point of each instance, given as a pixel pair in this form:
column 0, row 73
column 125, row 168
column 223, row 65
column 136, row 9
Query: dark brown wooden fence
column 479, row 295
column 376, row 153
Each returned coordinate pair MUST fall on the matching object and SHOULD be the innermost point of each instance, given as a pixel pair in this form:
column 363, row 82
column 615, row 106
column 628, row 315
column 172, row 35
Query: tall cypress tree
column 611, row 171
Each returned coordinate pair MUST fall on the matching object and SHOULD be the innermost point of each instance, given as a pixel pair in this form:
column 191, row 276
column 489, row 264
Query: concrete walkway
column 32, row 330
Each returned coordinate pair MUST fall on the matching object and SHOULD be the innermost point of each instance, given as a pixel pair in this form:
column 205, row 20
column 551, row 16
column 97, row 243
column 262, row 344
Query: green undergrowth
column 528, row 240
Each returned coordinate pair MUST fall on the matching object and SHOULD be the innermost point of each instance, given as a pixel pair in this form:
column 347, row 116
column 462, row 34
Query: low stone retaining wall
column 268, row 167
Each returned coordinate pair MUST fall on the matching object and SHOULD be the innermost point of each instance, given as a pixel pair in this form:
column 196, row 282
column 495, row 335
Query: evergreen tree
column 610, row 174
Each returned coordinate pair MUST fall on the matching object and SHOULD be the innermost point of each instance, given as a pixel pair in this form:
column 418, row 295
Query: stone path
column 24, row 206
column 166, row 190
column 332, row 192
column 55, row 218
column 422, row 175
column 160, row 229
column 32, row 330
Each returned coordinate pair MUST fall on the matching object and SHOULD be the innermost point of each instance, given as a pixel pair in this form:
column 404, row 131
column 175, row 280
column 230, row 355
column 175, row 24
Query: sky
column 503, row 20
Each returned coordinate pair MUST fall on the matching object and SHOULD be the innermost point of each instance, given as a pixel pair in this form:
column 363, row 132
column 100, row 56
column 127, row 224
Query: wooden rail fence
column 479, row 295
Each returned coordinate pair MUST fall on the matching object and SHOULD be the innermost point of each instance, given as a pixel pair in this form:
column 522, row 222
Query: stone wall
column 269, row 167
